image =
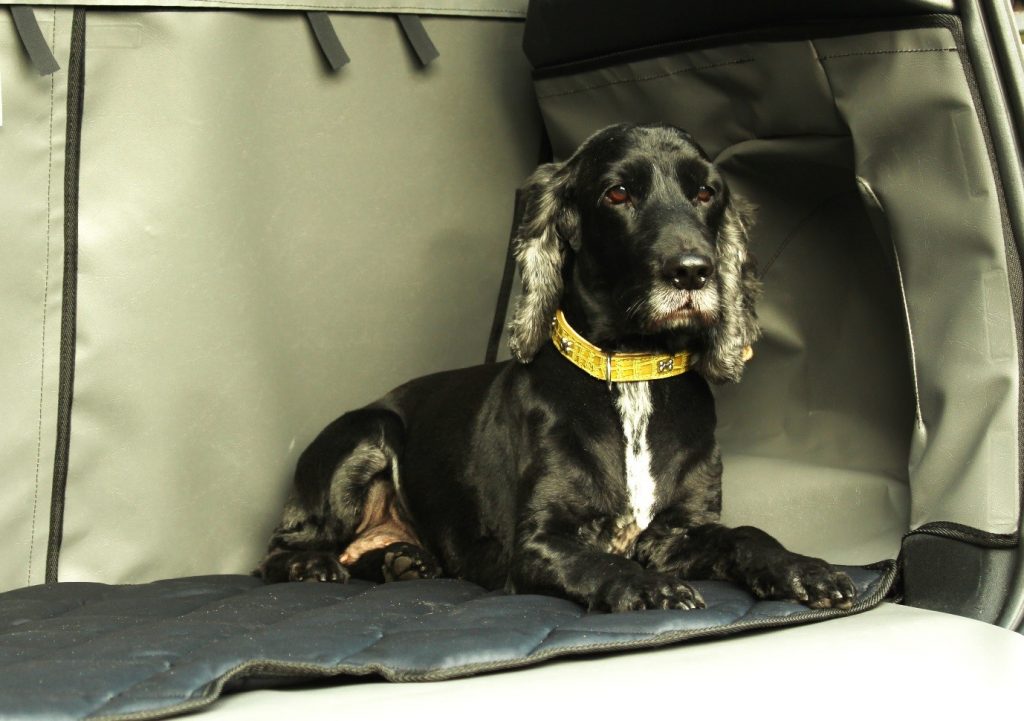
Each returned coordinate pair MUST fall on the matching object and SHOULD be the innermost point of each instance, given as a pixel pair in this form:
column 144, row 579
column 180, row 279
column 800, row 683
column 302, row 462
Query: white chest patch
column 634, row 405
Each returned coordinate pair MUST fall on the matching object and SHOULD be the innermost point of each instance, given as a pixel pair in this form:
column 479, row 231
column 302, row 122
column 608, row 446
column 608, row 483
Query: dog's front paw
column 406, row 562
column 810, row 581
column 321, row 566
column 649, row 590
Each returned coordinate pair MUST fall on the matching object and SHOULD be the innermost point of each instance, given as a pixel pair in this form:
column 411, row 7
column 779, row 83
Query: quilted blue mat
column 88, row 650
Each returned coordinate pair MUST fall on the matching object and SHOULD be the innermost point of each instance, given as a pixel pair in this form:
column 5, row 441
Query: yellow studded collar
column 618, row 367
column 614, row 367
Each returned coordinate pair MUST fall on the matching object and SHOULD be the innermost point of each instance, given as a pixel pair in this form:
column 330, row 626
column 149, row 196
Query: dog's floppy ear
column 549, row 229
column 731, row 338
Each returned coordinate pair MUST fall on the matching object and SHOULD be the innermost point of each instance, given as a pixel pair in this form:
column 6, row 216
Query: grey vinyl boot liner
column 85, row 650
column 89, row 650
column 276, row 309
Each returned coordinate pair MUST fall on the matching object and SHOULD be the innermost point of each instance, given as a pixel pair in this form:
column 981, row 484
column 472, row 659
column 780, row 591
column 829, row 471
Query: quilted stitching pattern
column 86, row 650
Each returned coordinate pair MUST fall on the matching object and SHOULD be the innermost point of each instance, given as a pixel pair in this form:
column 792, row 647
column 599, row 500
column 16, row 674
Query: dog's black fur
column 514, row 475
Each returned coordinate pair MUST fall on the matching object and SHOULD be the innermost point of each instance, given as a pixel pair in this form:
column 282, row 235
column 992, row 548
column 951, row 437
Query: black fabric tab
column 418, row 39
column 328, row 39
column 32, row 38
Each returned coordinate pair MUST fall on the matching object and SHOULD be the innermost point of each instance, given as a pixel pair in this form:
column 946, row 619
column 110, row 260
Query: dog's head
column 641, row 228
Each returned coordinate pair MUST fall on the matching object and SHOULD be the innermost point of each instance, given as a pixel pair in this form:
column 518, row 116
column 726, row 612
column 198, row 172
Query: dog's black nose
column 689, row 271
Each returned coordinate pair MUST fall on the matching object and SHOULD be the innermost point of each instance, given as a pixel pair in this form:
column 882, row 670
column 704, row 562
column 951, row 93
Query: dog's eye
column 705, row 194
column 617, row 195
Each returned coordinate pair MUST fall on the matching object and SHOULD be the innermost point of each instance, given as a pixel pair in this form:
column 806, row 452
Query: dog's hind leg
column 385, row 547
column 334, row 478
column 398, row 561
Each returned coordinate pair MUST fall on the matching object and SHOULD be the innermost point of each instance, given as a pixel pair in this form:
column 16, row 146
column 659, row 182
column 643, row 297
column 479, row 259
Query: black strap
column 501, row 309
column 328, row 39
column 418, row 39
column 69, row 300
column 32, row 38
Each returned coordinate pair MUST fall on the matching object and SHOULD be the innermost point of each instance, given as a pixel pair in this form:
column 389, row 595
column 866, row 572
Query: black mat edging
column 310, row 671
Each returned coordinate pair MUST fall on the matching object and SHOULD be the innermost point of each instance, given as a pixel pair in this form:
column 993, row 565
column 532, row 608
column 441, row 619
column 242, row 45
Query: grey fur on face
column 549, row 228
column 737, row 328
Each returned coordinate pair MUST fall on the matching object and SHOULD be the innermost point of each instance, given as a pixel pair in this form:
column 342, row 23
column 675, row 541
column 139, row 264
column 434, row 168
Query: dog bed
column 96, row 651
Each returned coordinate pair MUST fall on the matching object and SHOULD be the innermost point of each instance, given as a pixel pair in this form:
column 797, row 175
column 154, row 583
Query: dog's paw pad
column 810, row 581
column 652, row 591
column 828, row 588
column 318, row 566
column 406, row 562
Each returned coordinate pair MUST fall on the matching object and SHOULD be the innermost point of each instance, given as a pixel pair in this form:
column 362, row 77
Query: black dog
column 558, row 474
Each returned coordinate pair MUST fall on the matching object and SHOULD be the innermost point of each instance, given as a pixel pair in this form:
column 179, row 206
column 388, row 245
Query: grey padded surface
column 86, row 650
